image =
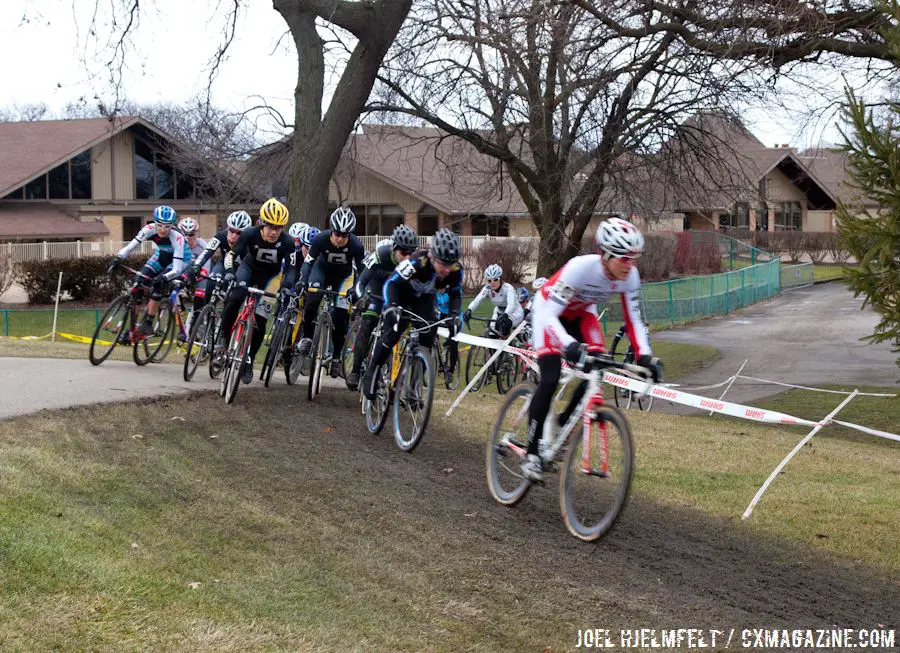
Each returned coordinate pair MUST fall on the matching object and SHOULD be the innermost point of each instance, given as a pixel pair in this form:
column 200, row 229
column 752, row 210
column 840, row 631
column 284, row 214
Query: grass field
column 235, row 530
column 823, row 271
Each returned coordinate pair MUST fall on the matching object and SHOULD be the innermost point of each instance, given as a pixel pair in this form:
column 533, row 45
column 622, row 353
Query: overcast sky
column 50, row 57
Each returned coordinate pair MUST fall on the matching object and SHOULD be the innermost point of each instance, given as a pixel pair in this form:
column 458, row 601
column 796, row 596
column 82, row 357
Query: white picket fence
column 21, row 252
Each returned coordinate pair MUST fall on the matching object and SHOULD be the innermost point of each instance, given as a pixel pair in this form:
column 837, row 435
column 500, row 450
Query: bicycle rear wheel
column 317, row 353
column 115, row 325
column 506, row 372
column 198, row 343
column 238, row 360
column 166, row 314
column 507, row 447
column 454, row 376
column 217, row 352
column 276, row 349
column 146, row 349
column 376, row 410
column 350, row 347
column 412, row 398
column 476, row 359
column 594, row 484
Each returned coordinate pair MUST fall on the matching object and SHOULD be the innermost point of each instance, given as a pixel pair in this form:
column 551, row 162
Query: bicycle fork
column 588, row 440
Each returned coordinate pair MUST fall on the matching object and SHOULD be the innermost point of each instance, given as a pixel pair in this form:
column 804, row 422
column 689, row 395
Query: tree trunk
column 553, row 252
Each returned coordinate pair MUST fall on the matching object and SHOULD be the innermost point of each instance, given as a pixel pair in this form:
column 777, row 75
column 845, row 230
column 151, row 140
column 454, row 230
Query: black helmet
column 445, row 245
column 405, row 238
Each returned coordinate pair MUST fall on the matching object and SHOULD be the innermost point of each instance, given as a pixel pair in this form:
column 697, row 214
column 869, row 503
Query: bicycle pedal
column 550, row 467
column 596, row 472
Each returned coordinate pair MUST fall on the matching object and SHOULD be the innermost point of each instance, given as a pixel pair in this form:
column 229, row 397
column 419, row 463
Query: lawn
column 822, row 271
column 230, row 529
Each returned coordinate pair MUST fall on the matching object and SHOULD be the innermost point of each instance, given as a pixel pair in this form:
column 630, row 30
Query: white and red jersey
column 573, row 294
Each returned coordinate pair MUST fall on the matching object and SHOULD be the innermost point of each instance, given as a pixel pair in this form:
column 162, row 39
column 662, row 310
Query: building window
column 81, row 176
column 788, row 216
column 58, row 179
column 762, row 217
column 131, row 225
column 165, row 180
column 737, row 218
column 17, row 194
column 143, row 170
column 428, row 221
column 493, row 226
column 36, row 189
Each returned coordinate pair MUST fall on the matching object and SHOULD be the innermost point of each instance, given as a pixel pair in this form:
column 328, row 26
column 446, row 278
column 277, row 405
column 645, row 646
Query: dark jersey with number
column 264, row 257
column 218, row 242
column 337, row 260
column 417, row 274
column 378, row 267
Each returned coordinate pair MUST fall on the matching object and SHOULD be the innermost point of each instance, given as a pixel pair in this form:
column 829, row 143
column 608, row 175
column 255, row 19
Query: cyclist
column 379, row 266
column 507, row 312
column 330, row 264
column 412, row 286
column 167, row 261
column 565, row 322
column 306, row 237
column 222, row 241
column 261, row 251
column 294, row 231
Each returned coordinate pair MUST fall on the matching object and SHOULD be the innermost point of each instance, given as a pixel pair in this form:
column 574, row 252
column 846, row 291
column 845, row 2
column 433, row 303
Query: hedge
column 83, row 279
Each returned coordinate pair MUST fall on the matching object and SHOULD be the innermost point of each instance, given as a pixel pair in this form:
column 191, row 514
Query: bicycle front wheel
column 350, row 347
column 317, row 353
column 412, row 398
column 508, row 445
column 198, row 343
column 454, row 375
column 237, row 361
column 476, row 359
column 596, row 475
column 376, row 410
column 276, row 349
column 147, row 348
column 114, row 326
column 168, row 320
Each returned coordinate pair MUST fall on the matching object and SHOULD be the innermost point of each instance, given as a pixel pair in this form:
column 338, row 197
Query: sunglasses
column 341, row 234
column 236, row 232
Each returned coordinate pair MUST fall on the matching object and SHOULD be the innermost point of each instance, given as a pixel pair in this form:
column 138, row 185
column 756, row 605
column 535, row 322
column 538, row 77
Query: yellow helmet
column 274, row 213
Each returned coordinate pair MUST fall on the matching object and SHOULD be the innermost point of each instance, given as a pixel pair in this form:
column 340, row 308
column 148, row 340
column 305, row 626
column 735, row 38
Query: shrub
column 835, row 247
column 515, row 256
column 792, row 243
column 84, row 279
column 696, row 255
column 659, row 252
column 814, row 245
column 7, row 273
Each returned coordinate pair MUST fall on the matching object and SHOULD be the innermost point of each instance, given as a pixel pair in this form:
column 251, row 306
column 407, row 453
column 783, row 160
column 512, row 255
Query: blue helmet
column 523, row 294
column 164, row 215
column 308, row 235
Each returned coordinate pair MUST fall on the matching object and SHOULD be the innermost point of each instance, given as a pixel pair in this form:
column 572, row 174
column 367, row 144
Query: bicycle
column 596, row 468
column 177, row 316
column 122, row 321
column 504, row 370
column 442, row 356
column 280, row 347
column 205, row 328
column 409, row 383
column 241, row 338
column 320, row 352
column 625, row 398
column 352, row 333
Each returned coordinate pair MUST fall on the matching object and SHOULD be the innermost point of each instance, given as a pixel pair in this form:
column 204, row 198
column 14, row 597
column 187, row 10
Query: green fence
column 793, row 276
column 683, row 300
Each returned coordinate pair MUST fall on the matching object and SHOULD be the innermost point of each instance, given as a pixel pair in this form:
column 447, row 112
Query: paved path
column 28, row 385
column 808, row 336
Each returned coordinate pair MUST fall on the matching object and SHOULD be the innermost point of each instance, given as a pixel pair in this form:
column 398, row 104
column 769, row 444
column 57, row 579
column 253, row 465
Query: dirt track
column 674, row 568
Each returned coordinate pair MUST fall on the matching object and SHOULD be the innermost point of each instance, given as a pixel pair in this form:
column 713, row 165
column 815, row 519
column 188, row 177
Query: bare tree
column 363, row 33
column 23, row 113
column 576, row 112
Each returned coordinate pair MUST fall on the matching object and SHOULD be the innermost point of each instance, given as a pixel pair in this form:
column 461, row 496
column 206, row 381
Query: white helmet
column 538, row 283
column 343, row 220
column 493, row 272
column 618, row 237
column 296, row 229
column 384, row 241
column 188, row 226
column 239, row 220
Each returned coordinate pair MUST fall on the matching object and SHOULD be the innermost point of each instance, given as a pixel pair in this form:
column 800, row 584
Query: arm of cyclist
column 289, row 280
column 237, row 252
column 512, row 302
column 180, row 252
column 475, row 303
column 315, row 249
column 634, row 323
column 211, row 246
column 141, row 236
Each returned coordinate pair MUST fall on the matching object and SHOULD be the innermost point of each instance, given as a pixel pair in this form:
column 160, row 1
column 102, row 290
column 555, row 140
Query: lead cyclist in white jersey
column 508, row 314
column 565, row 321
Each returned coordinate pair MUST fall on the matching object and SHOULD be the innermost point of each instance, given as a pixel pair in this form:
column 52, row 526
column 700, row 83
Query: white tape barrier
column 489, row 343
column 803, row 387
column 733, row 379
column 793, row 452
column 728, row 408
column 662, row 392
